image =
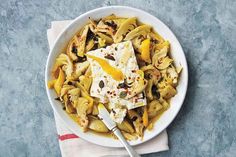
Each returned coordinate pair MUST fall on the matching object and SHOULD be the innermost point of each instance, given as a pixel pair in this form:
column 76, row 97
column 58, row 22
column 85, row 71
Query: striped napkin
column 73, row 146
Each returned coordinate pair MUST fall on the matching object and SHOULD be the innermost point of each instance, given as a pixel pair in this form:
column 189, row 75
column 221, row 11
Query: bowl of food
column 127, row 60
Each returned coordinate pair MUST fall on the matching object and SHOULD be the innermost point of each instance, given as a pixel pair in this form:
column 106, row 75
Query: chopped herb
column 116, row 48
column 101, row 84
column 90, row 35
column 111, row 24
column 64, row 108
column 109, row 57
column 123, row 94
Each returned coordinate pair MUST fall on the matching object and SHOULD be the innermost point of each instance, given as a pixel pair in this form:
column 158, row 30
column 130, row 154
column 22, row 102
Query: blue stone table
column 206, row 124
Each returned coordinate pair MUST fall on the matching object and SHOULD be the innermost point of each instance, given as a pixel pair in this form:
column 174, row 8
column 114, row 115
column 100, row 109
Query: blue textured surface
column 205, row 126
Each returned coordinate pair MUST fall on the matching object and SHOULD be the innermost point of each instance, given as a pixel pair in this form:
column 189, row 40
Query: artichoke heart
column 126, row 26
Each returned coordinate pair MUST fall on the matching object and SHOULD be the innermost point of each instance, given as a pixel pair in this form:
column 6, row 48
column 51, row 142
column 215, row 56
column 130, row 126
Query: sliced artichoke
column 165, row 62
column 97, row 125
column 102, row 27
column 59, row 81
column 173, row 75
column 159, row 55
column 80, row 68
column 125, row 126
column 108, row 39
column 168, row 92
column 136, row 43
column 140, row 30
column 81, row 41
column 90, row 45
column 129, row 136
column 148, row 89
column 137, row 122
column 63, row 60
column 86, row 82
column 138, row 87
column 153, row 108
column 65, row 89
column 72, row 49
column 68, row 105
column 74, row 95
column 156, row 37
column 128, row 25
column 81, row 108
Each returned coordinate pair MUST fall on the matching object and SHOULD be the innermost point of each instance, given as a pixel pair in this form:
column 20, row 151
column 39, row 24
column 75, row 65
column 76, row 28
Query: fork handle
column 129, row 149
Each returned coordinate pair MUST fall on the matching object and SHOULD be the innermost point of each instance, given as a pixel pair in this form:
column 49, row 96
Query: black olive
column 74, row 49
column 109, row 57
column 101, row 84
column 155, row 92
column 80, row 59
column 90, row 35
column 64, row 108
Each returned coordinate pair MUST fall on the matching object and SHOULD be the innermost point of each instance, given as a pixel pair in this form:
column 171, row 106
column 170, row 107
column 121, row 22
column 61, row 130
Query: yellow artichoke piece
column 81, row 109
column 89, row 46
column 137, row 122
column 68, row 105
column 168, row 92
column 125, row 126
column 65, row 89
column 166, row 62
column 59, row 82
column 81, row 41
column 153, row 108
column 140, row 30
column 148, row 89
column 98, row 126
column 127, row 25
column 108, row 39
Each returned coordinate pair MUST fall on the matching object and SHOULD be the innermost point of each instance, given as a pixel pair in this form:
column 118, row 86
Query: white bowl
column 176, row 52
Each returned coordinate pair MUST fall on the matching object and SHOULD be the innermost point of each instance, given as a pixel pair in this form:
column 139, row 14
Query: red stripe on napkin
column 67, row 136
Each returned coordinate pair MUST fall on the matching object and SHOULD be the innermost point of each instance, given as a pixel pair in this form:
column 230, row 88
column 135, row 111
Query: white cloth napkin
column 72, row 146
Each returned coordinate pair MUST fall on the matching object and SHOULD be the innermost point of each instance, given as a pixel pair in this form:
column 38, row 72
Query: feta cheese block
column 115, row 72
